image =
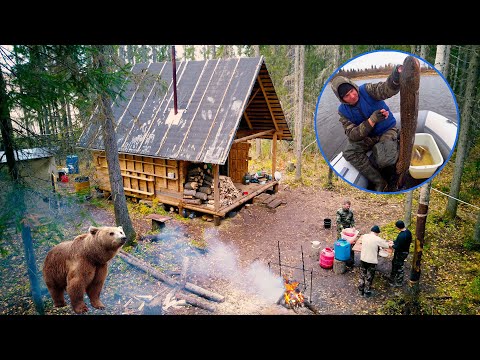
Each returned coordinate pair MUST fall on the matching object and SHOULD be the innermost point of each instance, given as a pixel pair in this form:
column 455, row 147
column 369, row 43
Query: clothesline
column 476, row 207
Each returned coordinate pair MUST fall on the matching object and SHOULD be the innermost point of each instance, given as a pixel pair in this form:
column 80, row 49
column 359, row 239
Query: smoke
column 222, row 261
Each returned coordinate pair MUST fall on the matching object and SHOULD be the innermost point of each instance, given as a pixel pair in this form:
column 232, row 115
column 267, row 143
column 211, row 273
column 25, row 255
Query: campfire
column 293, row 296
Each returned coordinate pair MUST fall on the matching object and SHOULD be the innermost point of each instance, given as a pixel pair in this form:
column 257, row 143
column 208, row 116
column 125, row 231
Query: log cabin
column 221, row 104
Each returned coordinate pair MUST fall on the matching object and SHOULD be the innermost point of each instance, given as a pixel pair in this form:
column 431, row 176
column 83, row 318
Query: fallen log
column 195, row 301
column 130, row 259
column 204, row 293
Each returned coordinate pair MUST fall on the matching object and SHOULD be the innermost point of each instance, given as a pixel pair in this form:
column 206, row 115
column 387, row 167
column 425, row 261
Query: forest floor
column 232, row 259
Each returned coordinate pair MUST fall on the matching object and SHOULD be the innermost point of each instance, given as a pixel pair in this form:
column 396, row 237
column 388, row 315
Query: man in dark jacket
column 369, row 124
column 402, row 247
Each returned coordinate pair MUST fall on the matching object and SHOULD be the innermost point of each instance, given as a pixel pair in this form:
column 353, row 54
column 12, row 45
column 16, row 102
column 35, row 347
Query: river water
column 434, row 95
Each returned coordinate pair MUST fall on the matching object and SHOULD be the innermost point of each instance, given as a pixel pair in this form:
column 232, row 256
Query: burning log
column 130, row 259
column 293, row 296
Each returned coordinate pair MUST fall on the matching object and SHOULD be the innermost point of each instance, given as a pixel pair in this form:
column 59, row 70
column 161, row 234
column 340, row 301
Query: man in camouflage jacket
column 367, row 121
column 345, row 220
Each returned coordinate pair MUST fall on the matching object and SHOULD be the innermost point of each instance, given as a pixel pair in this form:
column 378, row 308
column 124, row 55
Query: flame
column 293, row 296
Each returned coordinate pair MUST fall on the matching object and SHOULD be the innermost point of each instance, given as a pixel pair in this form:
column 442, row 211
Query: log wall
column 143, row 176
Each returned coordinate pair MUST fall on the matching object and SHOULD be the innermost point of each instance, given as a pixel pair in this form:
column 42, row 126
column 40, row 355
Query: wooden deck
column 251, row 190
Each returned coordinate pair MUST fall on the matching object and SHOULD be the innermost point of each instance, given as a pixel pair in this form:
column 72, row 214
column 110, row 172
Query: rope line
column 476, row 207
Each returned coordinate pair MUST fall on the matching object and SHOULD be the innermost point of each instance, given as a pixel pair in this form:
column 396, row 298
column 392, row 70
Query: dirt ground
column 238, row 259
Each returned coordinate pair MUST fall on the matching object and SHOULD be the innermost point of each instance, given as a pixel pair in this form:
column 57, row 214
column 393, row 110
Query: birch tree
column 299, row 71
column 423, row 51
column 462, row 144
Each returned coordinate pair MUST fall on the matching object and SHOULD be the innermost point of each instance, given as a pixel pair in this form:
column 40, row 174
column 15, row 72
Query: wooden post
column 216, row 189
column 274, row 153
column 216, row 192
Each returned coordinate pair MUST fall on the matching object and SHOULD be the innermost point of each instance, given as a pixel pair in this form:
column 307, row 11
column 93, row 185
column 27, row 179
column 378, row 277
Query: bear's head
column 109, row 236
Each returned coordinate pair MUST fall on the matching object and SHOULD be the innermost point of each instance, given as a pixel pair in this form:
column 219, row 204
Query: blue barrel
column 72, row 164
column 342, row 250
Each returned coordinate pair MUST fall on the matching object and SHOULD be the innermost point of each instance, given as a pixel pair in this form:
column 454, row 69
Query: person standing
column 369, row 124
column 369, row 259
column 401, row 247
column 345, row 219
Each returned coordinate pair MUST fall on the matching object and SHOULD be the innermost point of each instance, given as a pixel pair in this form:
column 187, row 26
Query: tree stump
column 339, row 266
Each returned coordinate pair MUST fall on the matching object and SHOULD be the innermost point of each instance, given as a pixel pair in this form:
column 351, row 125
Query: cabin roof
column 217, row 101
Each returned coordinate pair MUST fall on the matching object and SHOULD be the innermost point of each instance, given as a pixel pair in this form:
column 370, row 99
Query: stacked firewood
column 228, row 192
column 198, row 188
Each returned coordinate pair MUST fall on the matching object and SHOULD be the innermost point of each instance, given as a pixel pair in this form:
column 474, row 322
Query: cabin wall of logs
column 145, row 177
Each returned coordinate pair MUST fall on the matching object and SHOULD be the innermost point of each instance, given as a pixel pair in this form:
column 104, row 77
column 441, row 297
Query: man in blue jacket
column 369, row 124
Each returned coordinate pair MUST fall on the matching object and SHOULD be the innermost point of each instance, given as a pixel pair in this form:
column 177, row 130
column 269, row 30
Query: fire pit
column 293, row 297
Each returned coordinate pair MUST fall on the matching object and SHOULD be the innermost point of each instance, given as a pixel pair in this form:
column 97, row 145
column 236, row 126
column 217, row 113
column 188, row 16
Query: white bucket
column 426, row 171
column 315, row 249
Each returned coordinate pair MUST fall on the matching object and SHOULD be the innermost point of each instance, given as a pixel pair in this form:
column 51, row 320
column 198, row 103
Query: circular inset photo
column 386, row 121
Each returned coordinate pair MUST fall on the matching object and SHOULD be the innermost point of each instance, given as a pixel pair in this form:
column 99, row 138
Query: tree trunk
column 131, row 58
column 423, row 51
column 330, row 178
column 6, row 129
column 412, row 304
column 408, row 208
column 154, row 53
column 258, row 141
column 440, row 58
column 476, row 235
column 32, row 269
column 300, row 51
column 446, row 60
column 122, row 216
column 470, row 95
column 457, row 64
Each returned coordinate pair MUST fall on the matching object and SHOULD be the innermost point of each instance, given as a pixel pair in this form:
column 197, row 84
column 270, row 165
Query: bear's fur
column 80, row 266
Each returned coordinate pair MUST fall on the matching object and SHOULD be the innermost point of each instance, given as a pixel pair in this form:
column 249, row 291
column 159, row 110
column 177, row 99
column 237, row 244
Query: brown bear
column 80, row 266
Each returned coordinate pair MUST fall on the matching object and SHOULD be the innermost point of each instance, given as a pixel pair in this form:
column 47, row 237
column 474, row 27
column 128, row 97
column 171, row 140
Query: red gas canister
column 326, row 258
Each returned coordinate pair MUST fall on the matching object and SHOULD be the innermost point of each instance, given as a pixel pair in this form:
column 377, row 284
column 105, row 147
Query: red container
column 326, row 258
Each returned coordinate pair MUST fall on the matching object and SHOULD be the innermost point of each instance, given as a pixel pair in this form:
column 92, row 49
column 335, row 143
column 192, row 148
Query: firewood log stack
column 228, row 192
column 198, row 188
